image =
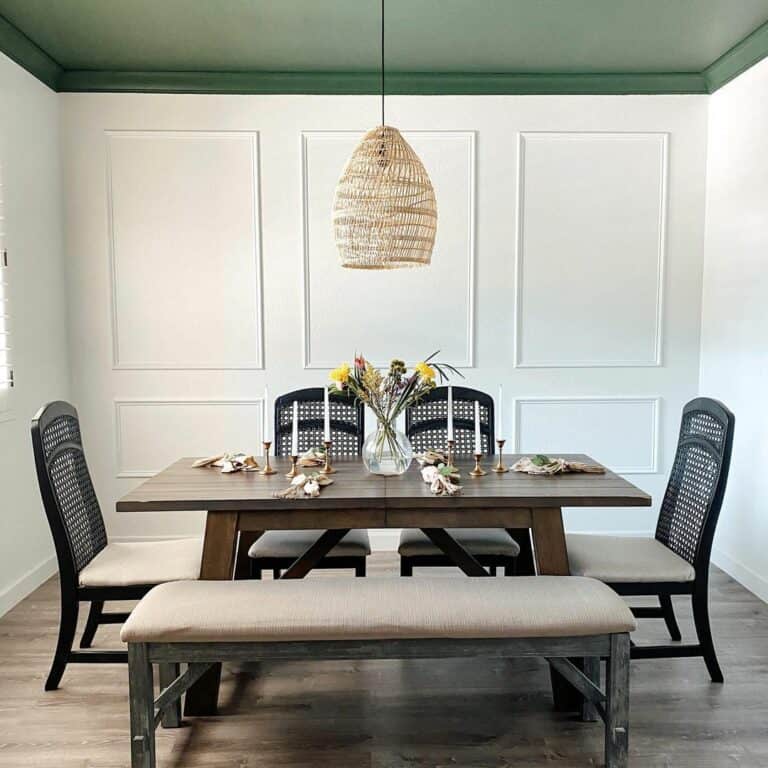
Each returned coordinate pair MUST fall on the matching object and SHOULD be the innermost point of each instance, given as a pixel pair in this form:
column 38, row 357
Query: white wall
column 201, row 265
column 734, row 365
column 29, row 162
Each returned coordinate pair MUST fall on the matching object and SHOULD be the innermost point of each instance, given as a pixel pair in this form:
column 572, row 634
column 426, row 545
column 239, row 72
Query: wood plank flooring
column 387, row 714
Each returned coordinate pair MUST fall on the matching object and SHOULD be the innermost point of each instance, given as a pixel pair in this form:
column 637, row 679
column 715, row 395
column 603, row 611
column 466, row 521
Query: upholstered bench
column 204, row 622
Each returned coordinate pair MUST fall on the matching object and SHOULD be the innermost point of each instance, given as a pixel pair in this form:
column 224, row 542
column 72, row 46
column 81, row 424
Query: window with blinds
column 6, row 371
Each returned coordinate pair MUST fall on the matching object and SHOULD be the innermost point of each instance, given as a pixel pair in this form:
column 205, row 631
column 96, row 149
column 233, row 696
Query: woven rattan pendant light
column 384, row 210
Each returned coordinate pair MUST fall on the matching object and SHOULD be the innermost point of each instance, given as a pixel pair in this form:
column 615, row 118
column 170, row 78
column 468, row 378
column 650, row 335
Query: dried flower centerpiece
column 439, row 474
column 541, row 464
column 387, row 451
column 304, row 486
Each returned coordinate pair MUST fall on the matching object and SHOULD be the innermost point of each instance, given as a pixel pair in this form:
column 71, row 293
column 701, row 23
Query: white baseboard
column 28, row 583
column 643, row 533
column 169, row 537
column 754, row 582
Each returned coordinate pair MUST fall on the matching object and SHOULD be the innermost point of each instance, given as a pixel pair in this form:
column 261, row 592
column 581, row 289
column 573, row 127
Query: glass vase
column 387, row 451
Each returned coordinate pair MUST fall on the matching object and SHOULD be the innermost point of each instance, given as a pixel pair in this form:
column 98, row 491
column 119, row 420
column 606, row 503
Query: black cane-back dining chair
column 277, row 550
column 92, row 569
column 426, row 427
column 676, row 560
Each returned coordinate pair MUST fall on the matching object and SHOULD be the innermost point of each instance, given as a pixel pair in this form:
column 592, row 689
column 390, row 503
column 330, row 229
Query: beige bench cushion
column 125, row 563
column 292, row 544
column 626, row 559
column 477, row 541
column 376, row 609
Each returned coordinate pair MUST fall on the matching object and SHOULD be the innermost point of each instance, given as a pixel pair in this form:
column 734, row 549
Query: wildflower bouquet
column 388, row 451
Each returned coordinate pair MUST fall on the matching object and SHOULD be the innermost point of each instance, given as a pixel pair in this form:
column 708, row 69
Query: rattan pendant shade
column 384, row 211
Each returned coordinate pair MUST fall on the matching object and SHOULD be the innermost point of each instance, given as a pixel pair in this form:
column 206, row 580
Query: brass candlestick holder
column 478, row 471
column 294, row 471
column 268, row 468
column 451, row 444
column 500, row 463
column 328, row 469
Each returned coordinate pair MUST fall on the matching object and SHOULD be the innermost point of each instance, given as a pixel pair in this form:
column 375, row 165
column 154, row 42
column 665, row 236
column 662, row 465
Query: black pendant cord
column 382, row 62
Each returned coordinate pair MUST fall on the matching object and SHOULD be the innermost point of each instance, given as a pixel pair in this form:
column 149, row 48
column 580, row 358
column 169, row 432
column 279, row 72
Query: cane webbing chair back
column 68, row 495
column 694, row 495
column 426, row 421
column 347, row 422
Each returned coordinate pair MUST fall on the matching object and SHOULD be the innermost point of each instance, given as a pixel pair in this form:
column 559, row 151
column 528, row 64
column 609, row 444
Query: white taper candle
column 295, row 432
column 450, row 412
column 326, row 416
column 500, row 415
column 478, row 444
column 265, row 420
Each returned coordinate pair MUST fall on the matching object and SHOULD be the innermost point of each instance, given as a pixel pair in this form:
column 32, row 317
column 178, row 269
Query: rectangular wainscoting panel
column 590, row 249
column 378, row 312
column 184, row 241
column 151, row 434
column 620, row 432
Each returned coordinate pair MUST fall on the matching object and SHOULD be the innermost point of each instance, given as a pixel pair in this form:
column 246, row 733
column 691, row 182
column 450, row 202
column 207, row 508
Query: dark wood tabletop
column 181, row 487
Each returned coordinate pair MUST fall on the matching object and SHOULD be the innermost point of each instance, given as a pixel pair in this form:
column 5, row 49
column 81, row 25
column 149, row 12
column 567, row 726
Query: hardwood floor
column 385, row 714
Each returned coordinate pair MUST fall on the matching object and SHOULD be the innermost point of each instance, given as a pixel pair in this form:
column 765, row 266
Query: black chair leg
column 669, row 617
column 67, row 627
column 704, row 632
column 92, row 623
column 360, row 568
column 406, row 569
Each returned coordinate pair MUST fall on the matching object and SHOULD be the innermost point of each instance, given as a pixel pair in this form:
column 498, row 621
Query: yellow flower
column 426, row 372
column 341, row 374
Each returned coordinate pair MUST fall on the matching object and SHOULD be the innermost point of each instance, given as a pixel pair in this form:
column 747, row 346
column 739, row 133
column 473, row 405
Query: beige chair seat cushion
column 293, row 544
column 626, row 559
column 477, row 541
column 125, row 563
column 376, row 609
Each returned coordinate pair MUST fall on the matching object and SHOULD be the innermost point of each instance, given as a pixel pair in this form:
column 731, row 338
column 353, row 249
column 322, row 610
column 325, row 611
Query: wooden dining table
column 241, row 506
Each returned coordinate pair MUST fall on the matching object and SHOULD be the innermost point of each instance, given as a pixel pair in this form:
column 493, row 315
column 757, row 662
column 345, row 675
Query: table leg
column 304, row 564
column 552, row 560
column 217, row 564
column 549, row 542
column 455, row 551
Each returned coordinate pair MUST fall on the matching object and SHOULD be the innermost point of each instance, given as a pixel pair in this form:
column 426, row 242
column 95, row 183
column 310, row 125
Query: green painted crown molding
column 405, row 83
column 18, row 47
column 742, row 56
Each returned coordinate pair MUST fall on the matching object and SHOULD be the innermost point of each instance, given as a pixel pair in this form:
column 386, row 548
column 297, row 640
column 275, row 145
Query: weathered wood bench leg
column 168, row 672
column 617, row 705
column 591, row 666
column 142, row 704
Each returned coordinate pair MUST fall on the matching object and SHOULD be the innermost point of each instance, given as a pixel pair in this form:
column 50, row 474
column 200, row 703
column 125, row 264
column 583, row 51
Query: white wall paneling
column 151, row 434
column 382, row 313
column 184, row 209
column 620, row 432
column 592, row 216
column 209, row 164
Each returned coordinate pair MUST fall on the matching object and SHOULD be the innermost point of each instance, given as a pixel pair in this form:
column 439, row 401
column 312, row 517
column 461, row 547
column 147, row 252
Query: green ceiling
column 433, row 46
